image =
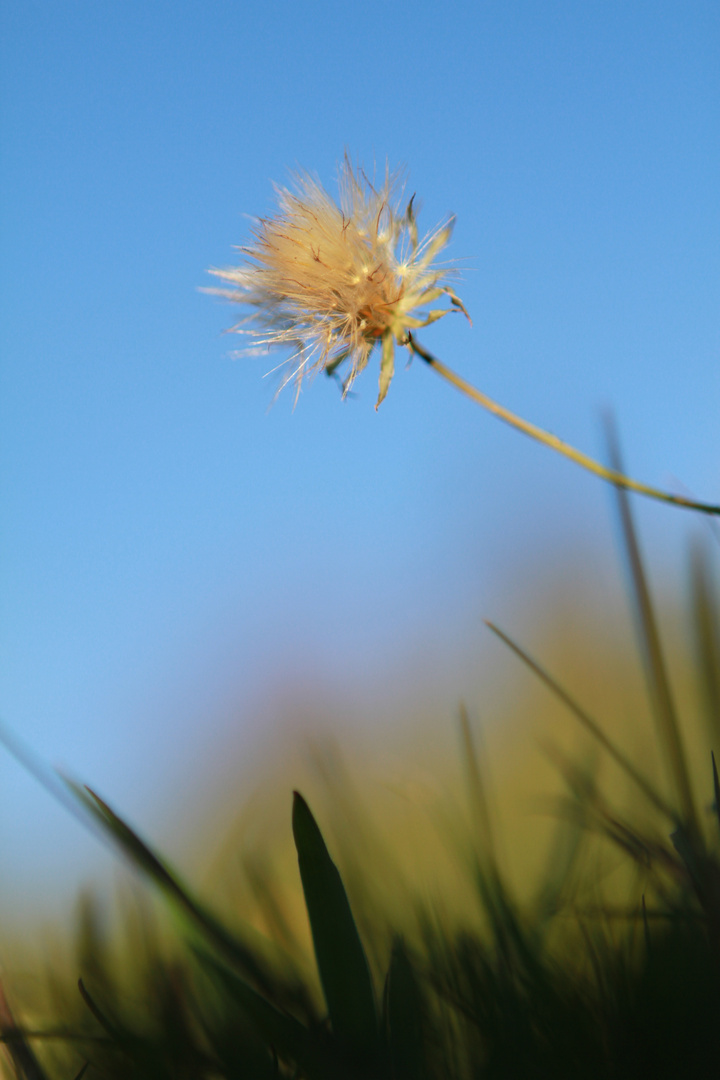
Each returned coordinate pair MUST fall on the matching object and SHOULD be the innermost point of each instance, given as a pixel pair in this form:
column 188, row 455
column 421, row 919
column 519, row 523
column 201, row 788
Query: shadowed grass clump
column 610, row 968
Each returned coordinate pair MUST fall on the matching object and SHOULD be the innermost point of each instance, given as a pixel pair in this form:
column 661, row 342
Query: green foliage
column 342, row 964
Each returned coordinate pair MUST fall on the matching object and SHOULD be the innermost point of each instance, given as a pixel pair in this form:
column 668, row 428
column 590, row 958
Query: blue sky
column 173, row 552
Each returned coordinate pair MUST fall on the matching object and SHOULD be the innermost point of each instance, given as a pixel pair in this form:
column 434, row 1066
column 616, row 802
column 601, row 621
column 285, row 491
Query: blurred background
column 191, row 580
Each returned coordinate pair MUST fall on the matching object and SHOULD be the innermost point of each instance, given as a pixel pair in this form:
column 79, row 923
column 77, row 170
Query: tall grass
column 608, row 965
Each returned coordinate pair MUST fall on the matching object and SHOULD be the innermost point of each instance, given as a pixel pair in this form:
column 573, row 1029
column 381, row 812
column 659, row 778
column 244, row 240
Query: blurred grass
column 535, row 896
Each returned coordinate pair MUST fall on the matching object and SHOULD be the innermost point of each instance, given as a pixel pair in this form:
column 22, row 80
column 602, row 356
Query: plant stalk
column 544, row 437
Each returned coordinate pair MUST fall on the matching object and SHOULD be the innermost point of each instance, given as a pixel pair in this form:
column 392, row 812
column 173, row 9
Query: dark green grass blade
column 656, row 669
column 227, row 945
column 404, row 1017
column 342, row 964
column 105, row 1023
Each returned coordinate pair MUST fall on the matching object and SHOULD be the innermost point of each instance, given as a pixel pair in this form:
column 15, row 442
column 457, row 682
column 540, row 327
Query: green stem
column 552, row 441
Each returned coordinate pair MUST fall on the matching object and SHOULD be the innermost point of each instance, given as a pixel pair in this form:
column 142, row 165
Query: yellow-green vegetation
column 460, row 937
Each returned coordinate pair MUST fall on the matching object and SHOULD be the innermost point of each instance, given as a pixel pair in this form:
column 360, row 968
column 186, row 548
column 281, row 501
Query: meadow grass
column 607, row 964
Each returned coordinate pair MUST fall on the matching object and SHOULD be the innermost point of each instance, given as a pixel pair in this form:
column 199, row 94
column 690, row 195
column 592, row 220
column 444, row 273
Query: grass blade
column 707, row 638
column 590, row 724
column 226, row 944
column 664, row 707
column 342, row 964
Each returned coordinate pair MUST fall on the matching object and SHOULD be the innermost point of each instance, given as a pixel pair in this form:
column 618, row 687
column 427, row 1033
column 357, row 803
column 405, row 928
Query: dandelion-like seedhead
column 333, row 281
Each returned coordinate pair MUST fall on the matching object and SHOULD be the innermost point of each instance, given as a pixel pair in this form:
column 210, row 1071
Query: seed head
column 333, row 281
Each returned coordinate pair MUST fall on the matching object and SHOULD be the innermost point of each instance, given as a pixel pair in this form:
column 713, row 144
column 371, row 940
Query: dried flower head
column 333, row 281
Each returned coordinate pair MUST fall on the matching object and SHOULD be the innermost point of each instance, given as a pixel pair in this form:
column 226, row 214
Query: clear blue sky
column 172, row 552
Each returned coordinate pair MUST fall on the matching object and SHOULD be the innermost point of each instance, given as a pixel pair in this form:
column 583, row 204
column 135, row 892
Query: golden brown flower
column 333, row 281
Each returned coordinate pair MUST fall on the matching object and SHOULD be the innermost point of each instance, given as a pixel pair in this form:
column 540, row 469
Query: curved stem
column 552, row 441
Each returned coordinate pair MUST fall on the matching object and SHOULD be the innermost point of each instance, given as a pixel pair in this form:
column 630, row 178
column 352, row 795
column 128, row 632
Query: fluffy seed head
column 333, row 281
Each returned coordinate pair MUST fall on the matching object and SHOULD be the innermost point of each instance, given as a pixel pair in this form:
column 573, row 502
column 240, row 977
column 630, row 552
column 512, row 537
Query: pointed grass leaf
column 97, row 1013
column 404, row 1016
column 342, row 964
